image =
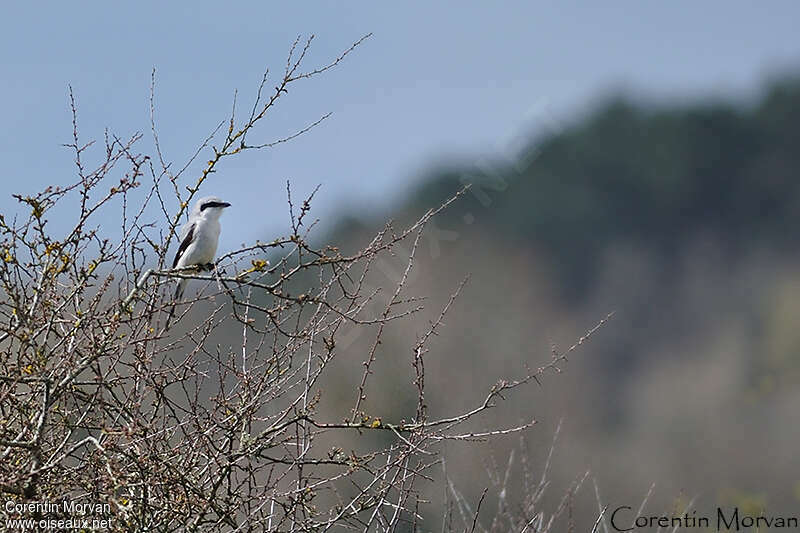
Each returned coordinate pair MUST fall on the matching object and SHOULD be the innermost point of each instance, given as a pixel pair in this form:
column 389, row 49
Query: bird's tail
column 179, row 288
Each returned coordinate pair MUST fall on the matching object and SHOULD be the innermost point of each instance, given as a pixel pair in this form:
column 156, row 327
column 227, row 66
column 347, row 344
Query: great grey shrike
column 199, row 239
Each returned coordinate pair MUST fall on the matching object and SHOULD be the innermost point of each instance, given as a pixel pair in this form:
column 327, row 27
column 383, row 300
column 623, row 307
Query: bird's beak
column 224, row 204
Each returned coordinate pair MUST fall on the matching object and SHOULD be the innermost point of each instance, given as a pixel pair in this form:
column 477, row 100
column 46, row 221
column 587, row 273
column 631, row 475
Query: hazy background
column 436, row 82
column 639, row 158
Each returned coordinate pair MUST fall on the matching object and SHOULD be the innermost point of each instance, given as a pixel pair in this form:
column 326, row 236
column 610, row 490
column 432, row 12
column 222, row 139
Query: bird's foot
column 208, row 266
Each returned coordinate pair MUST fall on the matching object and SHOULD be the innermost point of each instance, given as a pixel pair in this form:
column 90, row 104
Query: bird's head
column 209, row 207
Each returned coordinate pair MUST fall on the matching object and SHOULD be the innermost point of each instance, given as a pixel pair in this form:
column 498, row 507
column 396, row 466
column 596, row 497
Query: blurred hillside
column 682, row 220
column 655, row 178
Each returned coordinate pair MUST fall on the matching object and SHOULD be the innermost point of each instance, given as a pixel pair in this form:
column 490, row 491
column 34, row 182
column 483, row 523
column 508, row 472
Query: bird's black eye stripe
column 214, row 204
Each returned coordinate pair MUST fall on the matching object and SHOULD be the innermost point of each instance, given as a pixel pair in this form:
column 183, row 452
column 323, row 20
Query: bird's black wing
column 184, row 245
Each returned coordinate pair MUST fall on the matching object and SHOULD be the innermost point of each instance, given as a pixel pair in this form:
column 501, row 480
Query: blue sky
column 436, row 81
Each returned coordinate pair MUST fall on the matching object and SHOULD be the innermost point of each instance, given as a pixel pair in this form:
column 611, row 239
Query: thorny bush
column 99, row 402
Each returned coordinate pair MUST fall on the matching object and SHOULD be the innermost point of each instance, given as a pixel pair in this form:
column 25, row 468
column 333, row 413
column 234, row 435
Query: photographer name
column 625, row 519
column 70, row 507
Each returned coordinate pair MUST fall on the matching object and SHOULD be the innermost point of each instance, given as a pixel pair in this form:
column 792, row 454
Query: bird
column 199, row 240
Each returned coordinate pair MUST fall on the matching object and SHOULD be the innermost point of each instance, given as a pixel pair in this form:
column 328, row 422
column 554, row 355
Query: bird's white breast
column 204, row 247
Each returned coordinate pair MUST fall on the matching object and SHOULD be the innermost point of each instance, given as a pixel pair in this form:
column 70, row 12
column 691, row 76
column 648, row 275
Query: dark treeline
column 649, row 177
